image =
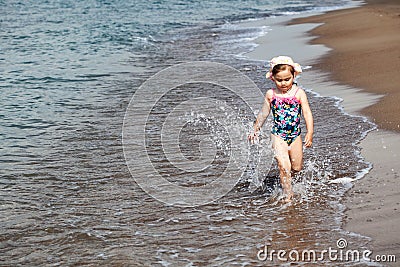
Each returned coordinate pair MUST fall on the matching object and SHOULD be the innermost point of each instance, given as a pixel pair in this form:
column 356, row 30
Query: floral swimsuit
column 286, row 112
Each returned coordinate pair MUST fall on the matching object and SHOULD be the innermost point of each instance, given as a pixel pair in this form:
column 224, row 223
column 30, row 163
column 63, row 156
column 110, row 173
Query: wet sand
column 365, row 54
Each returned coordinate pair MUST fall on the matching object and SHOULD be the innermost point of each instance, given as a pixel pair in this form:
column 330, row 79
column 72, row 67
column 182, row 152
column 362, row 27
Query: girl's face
column 284, row 80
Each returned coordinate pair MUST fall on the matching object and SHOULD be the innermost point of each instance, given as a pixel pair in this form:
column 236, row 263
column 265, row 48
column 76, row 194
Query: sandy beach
column 365, row 54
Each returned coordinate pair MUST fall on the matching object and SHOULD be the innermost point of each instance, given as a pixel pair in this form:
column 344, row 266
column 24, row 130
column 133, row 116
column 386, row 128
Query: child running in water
column 287, row 102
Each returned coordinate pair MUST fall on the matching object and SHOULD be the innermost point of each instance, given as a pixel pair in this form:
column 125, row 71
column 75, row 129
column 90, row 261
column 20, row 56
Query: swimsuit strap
column 296, row 91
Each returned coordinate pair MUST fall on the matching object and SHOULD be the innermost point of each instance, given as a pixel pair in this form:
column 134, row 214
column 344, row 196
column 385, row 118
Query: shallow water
column 69, row 71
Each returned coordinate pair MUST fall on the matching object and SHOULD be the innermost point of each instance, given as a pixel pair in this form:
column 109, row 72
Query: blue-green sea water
column 68, row 70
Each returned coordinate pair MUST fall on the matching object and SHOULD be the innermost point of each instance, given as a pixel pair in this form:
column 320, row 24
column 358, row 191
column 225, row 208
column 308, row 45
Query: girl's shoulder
column 301, row 95
column 269, row 94
column 300, row 92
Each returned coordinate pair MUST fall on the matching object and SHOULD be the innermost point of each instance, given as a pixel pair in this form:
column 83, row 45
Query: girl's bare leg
column 296, row 154
column 281, row 151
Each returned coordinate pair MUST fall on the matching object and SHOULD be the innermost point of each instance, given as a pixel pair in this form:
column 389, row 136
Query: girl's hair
column 280, row 67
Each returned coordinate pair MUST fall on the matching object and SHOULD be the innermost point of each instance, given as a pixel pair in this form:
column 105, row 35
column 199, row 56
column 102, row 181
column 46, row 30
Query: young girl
column 287, row 102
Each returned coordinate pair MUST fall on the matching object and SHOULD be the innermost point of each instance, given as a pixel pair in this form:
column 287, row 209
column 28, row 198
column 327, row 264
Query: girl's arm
column 308, row 117
column 261, row 117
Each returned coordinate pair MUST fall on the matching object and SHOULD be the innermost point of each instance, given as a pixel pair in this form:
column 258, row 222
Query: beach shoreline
column 350, row 61
column 359, row 57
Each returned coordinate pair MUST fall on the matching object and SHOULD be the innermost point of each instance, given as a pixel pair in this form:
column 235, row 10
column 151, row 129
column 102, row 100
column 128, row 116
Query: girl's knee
column 284, row 165
column 297, row 168
column 297, row 165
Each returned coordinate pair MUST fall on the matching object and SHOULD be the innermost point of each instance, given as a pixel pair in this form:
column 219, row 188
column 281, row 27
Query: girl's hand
column 253, row 137
column 308, row 140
